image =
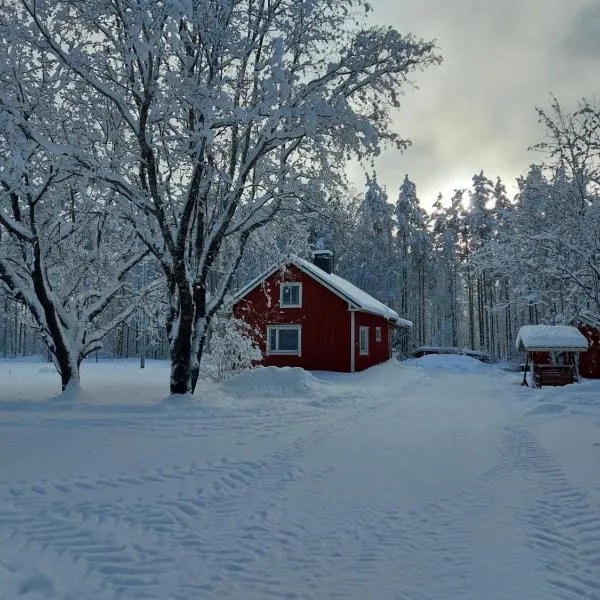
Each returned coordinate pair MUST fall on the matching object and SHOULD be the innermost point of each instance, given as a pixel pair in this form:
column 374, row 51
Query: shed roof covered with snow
column 548, row 338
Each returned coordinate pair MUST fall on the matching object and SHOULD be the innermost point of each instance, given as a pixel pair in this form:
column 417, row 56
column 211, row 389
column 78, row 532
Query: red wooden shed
column 589, row 325
column 305, row 316
column 553, row 352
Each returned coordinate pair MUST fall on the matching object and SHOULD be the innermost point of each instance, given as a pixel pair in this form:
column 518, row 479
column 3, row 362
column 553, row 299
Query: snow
column 357, row 297
column 588, row 317
column 284, row 383
column 550, row 337
column 439, row 477
column 450, row 363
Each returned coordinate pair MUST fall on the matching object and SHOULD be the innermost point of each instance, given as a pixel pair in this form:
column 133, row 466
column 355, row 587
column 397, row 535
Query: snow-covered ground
column 437, row 479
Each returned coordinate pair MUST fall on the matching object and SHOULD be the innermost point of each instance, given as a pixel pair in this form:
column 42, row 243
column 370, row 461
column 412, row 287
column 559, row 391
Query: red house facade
column 589, row 363
column 305, row 316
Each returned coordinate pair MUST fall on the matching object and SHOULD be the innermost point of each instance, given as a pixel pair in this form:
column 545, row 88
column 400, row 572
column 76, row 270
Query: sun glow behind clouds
column 429, row 188
column 427, row 191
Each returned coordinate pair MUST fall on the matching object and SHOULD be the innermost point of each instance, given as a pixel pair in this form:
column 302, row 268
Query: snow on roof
column 589, row 318
column 352, row 294
column 551, row 337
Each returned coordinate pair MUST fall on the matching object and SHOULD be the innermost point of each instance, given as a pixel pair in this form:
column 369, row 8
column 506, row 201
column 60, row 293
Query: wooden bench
column 554, row 375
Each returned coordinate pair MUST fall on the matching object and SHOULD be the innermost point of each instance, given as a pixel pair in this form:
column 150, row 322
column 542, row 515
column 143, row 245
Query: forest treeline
column 468, row 273
column 156, row 156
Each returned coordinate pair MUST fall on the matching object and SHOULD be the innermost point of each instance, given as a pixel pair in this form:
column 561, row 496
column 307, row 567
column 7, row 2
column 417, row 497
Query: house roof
column 534, row 338
column 589, row 318
column 356, row 298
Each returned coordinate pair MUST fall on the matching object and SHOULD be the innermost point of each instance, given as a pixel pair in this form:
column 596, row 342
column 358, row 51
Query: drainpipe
column 352, row 340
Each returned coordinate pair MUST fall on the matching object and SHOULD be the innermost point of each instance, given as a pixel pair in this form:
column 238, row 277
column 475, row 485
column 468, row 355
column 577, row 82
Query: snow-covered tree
column 547, row 246
column 413, row 241
column 371, row 247
column 63, row 255
column 479, row 227
column 225, row 111
column 446, row 311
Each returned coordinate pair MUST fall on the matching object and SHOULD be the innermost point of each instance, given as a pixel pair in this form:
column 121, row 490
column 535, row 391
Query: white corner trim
column 352, row 341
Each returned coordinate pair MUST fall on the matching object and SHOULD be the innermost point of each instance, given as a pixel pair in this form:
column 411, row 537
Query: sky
column 502, row 58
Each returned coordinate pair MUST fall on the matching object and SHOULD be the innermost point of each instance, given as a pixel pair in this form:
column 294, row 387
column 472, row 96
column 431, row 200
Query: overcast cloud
column 477, row 110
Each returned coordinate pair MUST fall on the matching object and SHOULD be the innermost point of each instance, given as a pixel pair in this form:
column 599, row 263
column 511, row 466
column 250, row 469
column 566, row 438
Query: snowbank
column 548, row 399
column 449, row 363
column 284, row 382
column 34, row 383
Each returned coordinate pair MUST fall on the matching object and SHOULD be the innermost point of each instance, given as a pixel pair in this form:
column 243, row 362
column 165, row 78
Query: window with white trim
column 364, row 341
column 377, row 334
column 284, row 339
column 290, row 295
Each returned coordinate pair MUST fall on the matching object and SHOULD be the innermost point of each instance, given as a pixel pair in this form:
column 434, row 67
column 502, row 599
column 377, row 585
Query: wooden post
column 525, row 371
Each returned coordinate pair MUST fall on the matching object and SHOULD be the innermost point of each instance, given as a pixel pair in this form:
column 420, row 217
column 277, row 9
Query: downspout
column 352, row 340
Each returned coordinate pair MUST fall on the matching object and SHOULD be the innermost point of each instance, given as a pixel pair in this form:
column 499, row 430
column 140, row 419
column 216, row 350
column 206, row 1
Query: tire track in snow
column 47, row 537
column 367, row 542
column 563, row 525
column 164, row 512
column 147, row 507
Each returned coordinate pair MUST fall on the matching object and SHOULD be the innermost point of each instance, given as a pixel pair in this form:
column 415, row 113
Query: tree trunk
column 68, row 368
column 453, row 307
column 508, row 319
column 480, row 312
column 15, row 348
column 471, row 310
column 142, row 342
column 196, row 368
column 200, row 329
column 181, row 343
column 422, row 311
column 5, row 330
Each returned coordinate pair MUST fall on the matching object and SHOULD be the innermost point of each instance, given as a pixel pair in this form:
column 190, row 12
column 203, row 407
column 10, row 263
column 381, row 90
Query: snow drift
column 284, row 382
column 450, row 363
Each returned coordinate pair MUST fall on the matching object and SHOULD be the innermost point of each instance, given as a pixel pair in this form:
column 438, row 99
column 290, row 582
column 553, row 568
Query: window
column 364, row 340
column 377, row 334
column 291, row 295
column 284, row 339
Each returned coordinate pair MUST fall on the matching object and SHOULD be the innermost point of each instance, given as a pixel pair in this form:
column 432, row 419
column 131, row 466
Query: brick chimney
column 323, row 259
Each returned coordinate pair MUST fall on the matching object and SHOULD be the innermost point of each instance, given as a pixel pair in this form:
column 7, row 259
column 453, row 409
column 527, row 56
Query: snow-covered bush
column 232, row 347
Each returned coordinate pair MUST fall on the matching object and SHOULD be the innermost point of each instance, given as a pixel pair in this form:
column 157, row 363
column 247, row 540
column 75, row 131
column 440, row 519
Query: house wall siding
column 378, row 351
column 589, row 362
column 324, row 317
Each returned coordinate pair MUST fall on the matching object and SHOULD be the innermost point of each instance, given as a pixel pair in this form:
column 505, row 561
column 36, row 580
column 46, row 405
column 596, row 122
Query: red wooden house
column 305, row 316
column 589, row 364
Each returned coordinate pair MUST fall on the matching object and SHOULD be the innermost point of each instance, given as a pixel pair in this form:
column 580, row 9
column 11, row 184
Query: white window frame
column 363, row 351
column 271, row 352
column 282, row 286
column 378, row 334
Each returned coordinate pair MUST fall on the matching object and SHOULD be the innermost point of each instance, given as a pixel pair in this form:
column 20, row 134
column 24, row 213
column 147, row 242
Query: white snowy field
column 437, row 479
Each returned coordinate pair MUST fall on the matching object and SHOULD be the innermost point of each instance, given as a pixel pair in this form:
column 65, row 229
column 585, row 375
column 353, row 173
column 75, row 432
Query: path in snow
column 396, row 483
